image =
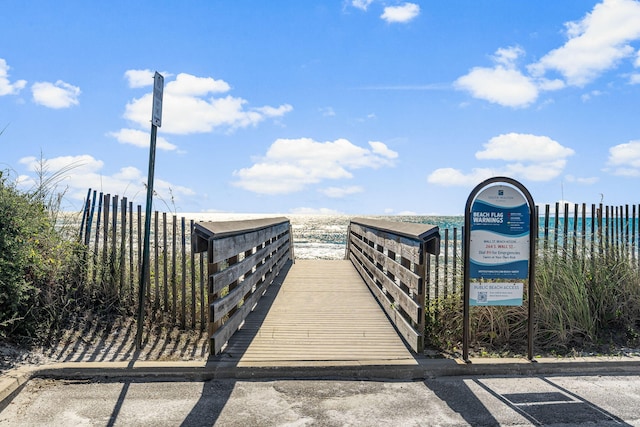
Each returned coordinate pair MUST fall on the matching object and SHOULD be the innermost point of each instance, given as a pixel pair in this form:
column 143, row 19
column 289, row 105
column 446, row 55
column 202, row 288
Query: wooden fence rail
column 393, row 259
column 112, row 230
column 244, row 257
column 564, row 229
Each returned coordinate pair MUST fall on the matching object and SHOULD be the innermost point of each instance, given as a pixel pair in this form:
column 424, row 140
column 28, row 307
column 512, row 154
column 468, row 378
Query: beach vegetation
column 585, row 302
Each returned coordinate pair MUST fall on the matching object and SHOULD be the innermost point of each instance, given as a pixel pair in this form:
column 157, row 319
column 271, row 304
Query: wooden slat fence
column 393, row 260
column 564, row 229
column 112, row 231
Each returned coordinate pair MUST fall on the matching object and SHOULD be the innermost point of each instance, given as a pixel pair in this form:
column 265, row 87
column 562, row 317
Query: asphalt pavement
column 597, row 391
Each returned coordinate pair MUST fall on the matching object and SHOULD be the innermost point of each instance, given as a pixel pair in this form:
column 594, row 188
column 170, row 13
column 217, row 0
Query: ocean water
column 325, row 236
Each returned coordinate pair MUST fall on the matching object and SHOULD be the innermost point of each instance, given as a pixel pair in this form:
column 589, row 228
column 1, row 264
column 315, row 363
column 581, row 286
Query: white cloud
column 291, row 165
column 83, row 172
column 531, row 157
column 381, row 149
column 523, row 147
column 77, row 164
column 507, row 56
column 403, row 13
column 361, row 4
column 6, row 87
column 595, row 44
column 139, row 78
column 188, row 85
column 340, row 192
column 505, row 84
column 543, row 171
column 625, row 159
column 582, row 180
column 587, row 96
column 55, row 95
column 450, row 177
column 189, row 107
column 327, row 112
column 499, row 85
column 141, row 139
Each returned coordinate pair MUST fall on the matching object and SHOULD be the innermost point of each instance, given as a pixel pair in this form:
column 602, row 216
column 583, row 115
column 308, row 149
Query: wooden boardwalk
column 322, row 314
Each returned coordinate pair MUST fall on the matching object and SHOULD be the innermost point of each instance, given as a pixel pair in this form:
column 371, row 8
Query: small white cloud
column 550, row 85
column 542, row 171
column 361, row 4
column 139, row 78
column 188, row 85
column 400, row 14
column 523, row 147
column 625, row 159
column 587, row 96
column 382, row 149
column 77, row 164
column 634, row 79
column 6, row 87
column 450, row 177
column 503, row 84
column 508, row 56
column 275, row 112
column 55, row 95
column 582, row 180
column 141, row 139
column 291, row 165
column 327, row 112
column 340, row 192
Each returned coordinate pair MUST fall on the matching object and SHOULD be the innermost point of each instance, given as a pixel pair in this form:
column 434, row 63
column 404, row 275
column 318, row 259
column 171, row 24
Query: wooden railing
column 244, row 257
column 393, row 260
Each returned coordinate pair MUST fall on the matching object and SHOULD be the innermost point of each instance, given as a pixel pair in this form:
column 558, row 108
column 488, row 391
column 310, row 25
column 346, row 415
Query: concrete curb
column 11, row 382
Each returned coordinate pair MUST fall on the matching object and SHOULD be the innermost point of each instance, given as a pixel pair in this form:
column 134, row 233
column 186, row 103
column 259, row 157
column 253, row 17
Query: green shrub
column 36, row 263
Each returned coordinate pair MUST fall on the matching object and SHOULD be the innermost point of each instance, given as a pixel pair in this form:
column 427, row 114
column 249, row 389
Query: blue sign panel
column 500, row 234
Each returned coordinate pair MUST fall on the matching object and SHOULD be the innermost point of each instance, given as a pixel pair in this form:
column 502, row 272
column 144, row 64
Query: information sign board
column 499, row 250
column 500, row 235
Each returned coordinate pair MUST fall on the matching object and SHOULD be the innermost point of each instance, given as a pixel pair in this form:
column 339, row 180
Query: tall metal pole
column 144, row 270
column 156, row 120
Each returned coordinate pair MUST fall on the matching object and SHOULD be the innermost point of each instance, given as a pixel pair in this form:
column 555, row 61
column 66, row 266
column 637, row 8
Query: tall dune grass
column 583, row 302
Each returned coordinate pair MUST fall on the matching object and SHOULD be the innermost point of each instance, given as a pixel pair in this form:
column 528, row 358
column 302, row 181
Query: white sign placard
column 500, row 293
column 158, row 88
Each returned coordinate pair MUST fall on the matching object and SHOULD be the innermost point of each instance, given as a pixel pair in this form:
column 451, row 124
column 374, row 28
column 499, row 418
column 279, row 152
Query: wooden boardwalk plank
column 322, row 312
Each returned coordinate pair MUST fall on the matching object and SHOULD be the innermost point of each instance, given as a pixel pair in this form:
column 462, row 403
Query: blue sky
column 354, row 107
